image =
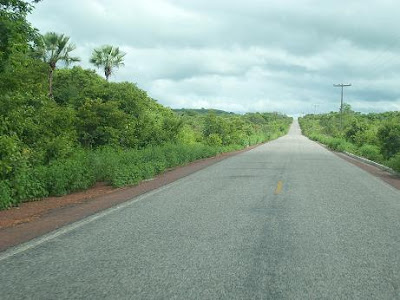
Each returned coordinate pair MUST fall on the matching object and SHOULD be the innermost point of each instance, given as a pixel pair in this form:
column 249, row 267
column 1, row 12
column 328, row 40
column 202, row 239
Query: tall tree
column 55, row 48
column 19, row 68
column 16, row 33
column 109, row 58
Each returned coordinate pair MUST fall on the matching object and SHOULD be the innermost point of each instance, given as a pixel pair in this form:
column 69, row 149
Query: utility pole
column 315, row 108
column 341, row 102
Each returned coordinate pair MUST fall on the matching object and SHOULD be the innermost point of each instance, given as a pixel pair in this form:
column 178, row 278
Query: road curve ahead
column 286, row 220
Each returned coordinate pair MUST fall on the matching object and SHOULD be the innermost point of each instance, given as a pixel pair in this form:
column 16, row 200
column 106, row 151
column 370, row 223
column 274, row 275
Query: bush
column 66, row 167
column 214, row 140
column 374, row 136
column 394, row 162
column 371, row 152
column 186, row 135
column 131, row 166
column 27, row 185
column 11, row 157
column 389, row 136
column 334, row 143
column 6, row 199
column 126, row 175
column 116, row 166
column 64, row 176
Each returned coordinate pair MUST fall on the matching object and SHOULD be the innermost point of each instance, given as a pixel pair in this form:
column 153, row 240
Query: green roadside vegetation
column 64, row 129
column 375, row 136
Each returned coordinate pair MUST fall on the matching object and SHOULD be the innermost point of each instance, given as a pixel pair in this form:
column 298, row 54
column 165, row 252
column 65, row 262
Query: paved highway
column 286, row 220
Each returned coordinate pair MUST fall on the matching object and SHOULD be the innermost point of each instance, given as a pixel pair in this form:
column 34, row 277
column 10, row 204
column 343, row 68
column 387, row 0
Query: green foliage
column 92, row 130
column 65, row 175
column 30, row 170
column 334, row 143
column 53, row 48
column 6, row 199
column 214, row 140
column 243, row 130
column 186, row 135
column 101, row 123
column 15, row 31
column 73, row 86
column 389, row 137
column 374, row 136
column 394, row 162
column 44, row 129
column 355, row 130
column 19, row 71
column 56, row 47
column 23, row 74
column 11, row 156
column 372, row 152
column 107, row 57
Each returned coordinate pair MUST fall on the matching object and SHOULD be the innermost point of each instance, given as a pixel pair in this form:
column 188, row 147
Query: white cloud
column 243, row 56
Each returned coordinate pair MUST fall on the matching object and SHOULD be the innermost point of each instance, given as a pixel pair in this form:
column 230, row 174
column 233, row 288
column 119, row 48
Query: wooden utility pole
column 341, row 102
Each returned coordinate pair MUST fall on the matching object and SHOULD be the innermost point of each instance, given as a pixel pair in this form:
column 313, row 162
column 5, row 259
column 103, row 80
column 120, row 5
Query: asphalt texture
column 286, row 220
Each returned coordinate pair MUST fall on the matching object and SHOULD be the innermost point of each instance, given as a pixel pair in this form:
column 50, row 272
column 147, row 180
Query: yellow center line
column 279, row 187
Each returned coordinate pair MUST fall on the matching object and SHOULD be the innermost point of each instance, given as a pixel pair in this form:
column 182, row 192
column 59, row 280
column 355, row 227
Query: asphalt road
column 286, row 220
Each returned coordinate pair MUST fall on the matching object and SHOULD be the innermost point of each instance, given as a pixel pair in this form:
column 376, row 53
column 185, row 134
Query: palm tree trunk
column 107, row 72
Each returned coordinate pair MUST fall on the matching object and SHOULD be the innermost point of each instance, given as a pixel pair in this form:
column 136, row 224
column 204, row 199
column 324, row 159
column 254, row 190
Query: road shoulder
column 386, row 176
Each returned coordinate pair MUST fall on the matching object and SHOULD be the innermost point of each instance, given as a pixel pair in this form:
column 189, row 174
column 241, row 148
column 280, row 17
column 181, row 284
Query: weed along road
column 286, row 220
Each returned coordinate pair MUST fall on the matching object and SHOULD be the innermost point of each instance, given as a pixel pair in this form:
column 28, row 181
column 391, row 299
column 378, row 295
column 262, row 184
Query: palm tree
column 55, row 48
column 107, row 57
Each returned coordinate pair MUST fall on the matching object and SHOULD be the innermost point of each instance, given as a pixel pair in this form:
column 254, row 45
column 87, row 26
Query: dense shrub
column 126, row 167
column 6, row 199
column 116, row 166
column 389, row 137
column 374, row 136
column 63, row 176
column 371, row 152
column 394, row 162
column 214, row 140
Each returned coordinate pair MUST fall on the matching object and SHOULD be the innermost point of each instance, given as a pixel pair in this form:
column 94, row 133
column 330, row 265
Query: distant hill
column 201, row 111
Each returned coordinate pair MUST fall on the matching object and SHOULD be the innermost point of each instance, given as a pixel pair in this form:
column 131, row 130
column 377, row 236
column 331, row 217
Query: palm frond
column 56, row 47
column 108, row 57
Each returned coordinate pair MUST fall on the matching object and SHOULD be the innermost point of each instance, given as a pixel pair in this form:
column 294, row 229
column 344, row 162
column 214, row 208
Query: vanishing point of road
column 286, row 220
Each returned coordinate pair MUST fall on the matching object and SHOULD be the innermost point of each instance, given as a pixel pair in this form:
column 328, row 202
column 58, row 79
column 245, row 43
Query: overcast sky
column 253, row 55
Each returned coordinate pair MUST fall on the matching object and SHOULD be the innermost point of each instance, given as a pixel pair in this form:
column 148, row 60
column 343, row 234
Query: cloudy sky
column 253, row 55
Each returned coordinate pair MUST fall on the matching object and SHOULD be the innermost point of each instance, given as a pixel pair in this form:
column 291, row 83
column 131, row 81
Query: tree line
column 375, row 136
column 63, row 129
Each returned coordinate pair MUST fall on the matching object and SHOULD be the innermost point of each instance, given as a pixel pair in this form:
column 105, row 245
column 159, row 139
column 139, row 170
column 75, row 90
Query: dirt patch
column 33, row 219
column 29, row 211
